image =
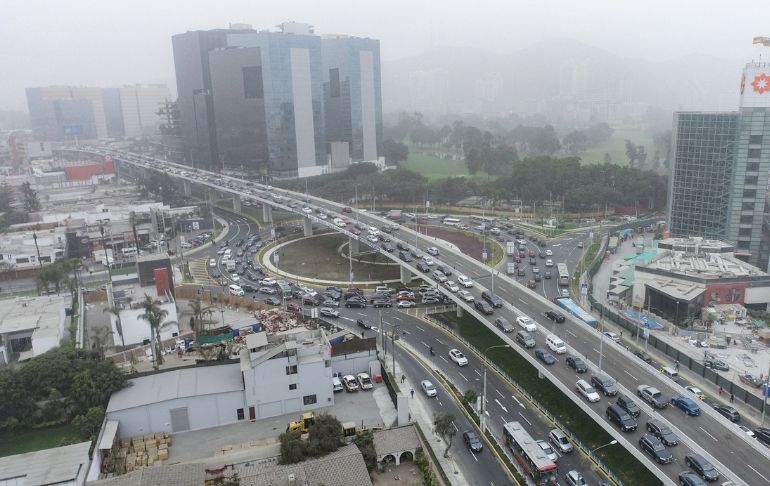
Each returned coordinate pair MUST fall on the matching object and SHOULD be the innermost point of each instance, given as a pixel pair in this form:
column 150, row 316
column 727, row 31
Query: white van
column 670, row 372
column 337, row 384
column 556, row 344
column 236, row 290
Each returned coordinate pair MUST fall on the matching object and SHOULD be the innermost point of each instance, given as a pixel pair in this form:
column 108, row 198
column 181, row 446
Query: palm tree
column 198, row 310
column 154, row 315
column 115, row 311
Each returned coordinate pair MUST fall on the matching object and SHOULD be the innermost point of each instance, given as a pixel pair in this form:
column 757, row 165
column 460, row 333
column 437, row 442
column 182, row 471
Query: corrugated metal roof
column 49, row 466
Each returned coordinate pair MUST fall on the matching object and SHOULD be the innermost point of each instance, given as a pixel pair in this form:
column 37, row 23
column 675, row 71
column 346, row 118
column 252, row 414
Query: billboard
column 755, row 86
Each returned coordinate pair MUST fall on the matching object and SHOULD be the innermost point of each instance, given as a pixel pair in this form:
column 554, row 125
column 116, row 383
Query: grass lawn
column 619, row 460
column 435, row 168
column 616, row 147
column 20, row 442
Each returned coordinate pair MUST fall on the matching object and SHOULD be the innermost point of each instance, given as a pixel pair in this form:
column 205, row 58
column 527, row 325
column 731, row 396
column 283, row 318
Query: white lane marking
column 445, row 360
column 522, row 300
column 440, row 341
column 766, row 480
column 501, row 395
column 571, row 333
column 525, row 418
column 425, row 344
column 348, row 318
column 487, row 412
column 396, row 318
column 464, row 378
column 518, row 401
column 595, row 350
column 455, row 426
column 704, row 430
column 361, row 314
column 406, row 332
column 421, row 329
column 477, row 372
column 632, row 376
column 439, row 402
column 474, row 456
column 501, row 405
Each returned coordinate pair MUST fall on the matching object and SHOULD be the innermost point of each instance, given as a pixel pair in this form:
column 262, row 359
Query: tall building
column 721, row 170
column 255, row 100
column 140, row 106
column 352, row 95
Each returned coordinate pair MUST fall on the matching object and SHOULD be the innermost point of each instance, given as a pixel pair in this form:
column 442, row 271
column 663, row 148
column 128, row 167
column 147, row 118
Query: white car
column 451, row 286
column 466, row 296
column 329, row 312
column 695, row 391
column 526, row 323
column 548, row 450
column 307, row 210
column 612, row 336
column 428, row 261
column 372, row 239
column 323, row 216
column 432, row 251
column 350, row 383
column 464, row 281
column 364, row 381
column 213, row 263
column 549, row 263
column 405, row 304
column 458, row 357
column 268, row 281
column 427, row 388
column 587, row 391
column 548, row 253
column 339, row 223
column 235, row 278
column 373, row 231
column 565, row 292
column 221, row 251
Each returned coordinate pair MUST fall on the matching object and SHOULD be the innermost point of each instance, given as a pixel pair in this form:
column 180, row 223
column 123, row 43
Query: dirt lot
column 469, row 244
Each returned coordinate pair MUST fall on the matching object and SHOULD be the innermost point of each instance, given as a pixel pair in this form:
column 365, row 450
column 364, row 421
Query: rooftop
column 43, row 315
column 179, row 383
column 60, row 465
column 395, row 439
column 710, row 266
column 696, row 245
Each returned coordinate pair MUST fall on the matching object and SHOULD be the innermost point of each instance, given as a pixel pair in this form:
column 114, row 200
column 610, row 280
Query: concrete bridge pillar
column 406, row 275
column 460, row 311
column 237, row 203
column 355, row 247
column 307, row 226
column 187, row 188
column 267, row 213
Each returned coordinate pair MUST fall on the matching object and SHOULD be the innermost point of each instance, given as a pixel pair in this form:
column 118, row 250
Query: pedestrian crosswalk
column 199, row 271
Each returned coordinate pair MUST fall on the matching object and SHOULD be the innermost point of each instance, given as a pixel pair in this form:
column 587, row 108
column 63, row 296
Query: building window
column 241, row 416
column 744, row 232
column 755, row 153
column 747, row 206
column 252, row 82
column 750, row 193
column 22, row 260
column 751, row 180
column 747, row 219
column 309, row 399
column 292, row 386
column 744, row 245
column 334, row 83
column 291, row 370
column 752, row 166
column 755, row 139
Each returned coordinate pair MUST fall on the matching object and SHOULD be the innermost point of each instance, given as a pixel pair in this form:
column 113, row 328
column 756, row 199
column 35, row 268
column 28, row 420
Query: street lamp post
column 612, row 442
column 483, row 420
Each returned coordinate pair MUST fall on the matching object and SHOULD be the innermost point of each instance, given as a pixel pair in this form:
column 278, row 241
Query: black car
column 248, row 288
column 521, row 272
column 662, row 432
column 643, row 356
column 652, row 446
column 729, row 412
column 544, row 356
column 444, row 269
column 423, row 267
column 605, row 384
column 576, row 364
column 358, row 303
column 472, row 441
column 492, row 299
column 402, row 246
column 483, row 307
column 716, row 364
column 378, row 303
column 273, row 301
column 387, row 247
column 689, row 478
column 555, row 316
column 701, row 466
column 404, row 256
column 762, row 434
column 363, row 324
column 547, row 275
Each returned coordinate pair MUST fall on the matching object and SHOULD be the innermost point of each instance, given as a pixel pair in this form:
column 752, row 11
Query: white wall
column 136, row 330
column 352, row 364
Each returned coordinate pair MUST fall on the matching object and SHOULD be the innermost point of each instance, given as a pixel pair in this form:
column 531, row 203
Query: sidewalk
column 421, row 415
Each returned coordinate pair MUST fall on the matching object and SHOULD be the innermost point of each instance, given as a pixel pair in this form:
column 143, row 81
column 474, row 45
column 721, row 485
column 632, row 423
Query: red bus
column 529, row 455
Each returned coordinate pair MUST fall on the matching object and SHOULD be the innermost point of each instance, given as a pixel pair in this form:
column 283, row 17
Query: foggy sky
column 110, row 43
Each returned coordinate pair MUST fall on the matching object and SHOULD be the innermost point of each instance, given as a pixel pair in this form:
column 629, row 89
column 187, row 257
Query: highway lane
column 759, row 469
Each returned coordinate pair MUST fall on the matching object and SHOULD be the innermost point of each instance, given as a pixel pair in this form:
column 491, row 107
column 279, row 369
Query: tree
column 641, row 155
column 394, row 151
column 198, row 310
column 6, row 197
column 30, row 200
column 575, row 142
column 365, row 442
column 607, row 158
column 292, row 447
column 443, row 425
column 325, row 435
column 115, row 311
column 470, row 396
column 631, row 152
column 154, row 315
column 89, row 423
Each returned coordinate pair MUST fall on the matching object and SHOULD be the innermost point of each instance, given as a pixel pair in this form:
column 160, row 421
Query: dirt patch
column 469, row 244
column 404, row 474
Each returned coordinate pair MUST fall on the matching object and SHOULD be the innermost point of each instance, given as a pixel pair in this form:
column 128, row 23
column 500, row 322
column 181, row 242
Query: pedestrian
column 732, row 397
column 412, row 392
column 621, row 334
column 720, row 391
column 676, row 365
column 403, row 378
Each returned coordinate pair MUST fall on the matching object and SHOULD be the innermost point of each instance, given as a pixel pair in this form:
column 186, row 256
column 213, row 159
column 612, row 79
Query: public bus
column 529, row 455
column 451, row 221
column 481, row 219
column 563, row 274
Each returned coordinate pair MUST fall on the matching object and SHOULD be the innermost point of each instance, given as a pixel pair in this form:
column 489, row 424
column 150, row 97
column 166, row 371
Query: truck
column 306, row 420
column 652, row 395
column 510, row 248
column 106, row 257
column 230, row 265
column 394, row 214
column 613, row 244
column 510, row 268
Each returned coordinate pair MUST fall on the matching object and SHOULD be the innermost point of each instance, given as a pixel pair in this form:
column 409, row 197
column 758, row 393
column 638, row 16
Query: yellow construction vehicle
column 303, row 424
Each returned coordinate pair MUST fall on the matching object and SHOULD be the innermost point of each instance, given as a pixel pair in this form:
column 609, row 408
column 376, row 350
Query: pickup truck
column 651, row 395
column 751, row 380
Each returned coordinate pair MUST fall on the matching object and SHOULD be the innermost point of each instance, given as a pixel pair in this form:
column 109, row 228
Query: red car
column 291, row 306
column 405, row 297
column 355, row 231
column 347, row 210
column 532, row 284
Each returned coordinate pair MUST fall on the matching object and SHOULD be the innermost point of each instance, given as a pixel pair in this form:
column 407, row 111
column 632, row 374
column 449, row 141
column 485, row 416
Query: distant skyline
column 114, row 43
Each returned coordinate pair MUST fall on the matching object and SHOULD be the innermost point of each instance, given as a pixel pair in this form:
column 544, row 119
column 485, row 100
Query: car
column 587, row 391
column 662, row 431
column 526, row 323
column 380, row 303
column 762, row 434
column 716, row 364
column 655, row 449
column 580, row 244
column 387, row 247
column 612, row 336
column 547, row 275
column 213, row 262
column 504, row 324
column 537, row 278
column 445, row 270
column 350, row 383
column 404, row 256
column 689, row 478
column 269, row 281
column 267, row 290
column 643, row 356
column 560, row 441
column 432, row 251
column 329, row 312
column 577, row 364
column 548, row 451
column 458, row 357
column 423, row 267
column 525, row 339
column 364, row 381
column 492, row 299
column 686, row 404
column 548, row 253
column 701, row 466
column 355, row 302
column 621, row 418
column 483, row 307
column 746, row 430
column 330, row 303
column 405, row 304
column 235, row 277
column 695, row 391
column 535, row 270
column 428, row 388
column 451, row 286
column 466, row 296
column 751, row 380
column 652, row 395
column 428, row 261
column 472, row 441
column 729, row 412
column 464, row 281
column 221, row 251
column 273, row 301
column 431, row 299
column 248, row 288
column 521, row 272
column 574, row 478
column 363, row 324
column 545, row 356
column 605, row 384
column 532, row 284
column 554, row 316
column 627, row 404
